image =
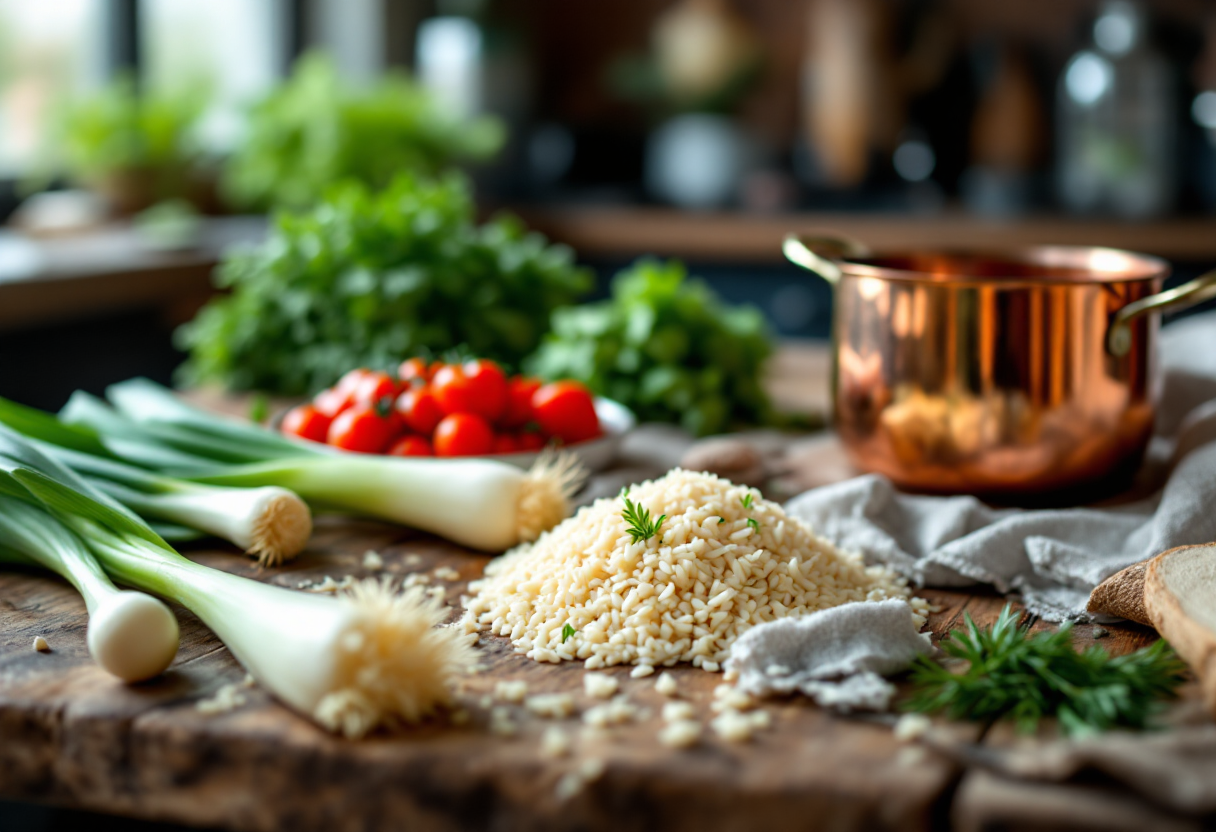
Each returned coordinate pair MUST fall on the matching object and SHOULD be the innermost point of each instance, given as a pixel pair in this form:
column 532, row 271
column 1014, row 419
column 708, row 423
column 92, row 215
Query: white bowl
column 596, row 454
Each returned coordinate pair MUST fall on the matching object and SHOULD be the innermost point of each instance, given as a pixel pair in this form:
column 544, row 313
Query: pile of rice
column 684, row 595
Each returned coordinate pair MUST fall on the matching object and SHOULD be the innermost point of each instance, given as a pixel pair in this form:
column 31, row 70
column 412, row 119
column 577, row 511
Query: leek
column 351, row 664
column 131, row 635
column 270, row 523
column 479, row 503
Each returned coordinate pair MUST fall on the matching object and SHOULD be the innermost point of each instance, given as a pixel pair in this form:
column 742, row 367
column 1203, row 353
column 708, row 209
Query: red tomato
column 519, row 402
column 419, row 409
column 411, row 446
column 414, row 371
column 531, row 441
column 477, row 387
column 361, row 428
column 334, row 400
column 373, row 387
column 505, row 443
column 565, row 409
column 306, row 422
column 463, row 434
column 329, row 403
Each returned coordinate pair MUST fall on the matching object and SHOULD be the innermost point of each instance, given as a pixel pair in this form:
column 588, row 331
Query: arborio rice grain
column 685, row 594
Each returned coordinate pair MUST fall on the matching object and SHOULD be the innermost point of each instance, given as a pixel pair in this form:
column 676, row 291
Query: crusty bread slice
column 1180, row 596
column 1122, row 595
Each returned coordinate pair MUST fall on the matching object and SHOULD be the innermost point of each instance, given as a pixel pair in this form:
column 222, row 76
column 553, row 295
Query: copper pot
column 999, row 374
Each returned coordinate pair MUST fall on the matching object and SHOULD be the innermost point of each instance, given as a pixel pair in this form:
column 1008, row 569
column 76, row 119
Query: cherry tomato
column 565, row 409
column 477, row 387
column 463, row 434
column 414, row 371
column 334, row 400
column 306, row 422
column 530, row 441
column 505, row 443
column 519, row 402
column 361, row 428
column 373, row 387
column 419, row 409
column 411, row 446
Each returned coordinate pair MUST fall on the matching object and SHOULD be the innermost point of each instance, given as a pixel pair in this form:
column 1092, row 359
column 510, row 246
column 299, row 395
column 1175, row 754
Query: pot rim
column 1026, row 267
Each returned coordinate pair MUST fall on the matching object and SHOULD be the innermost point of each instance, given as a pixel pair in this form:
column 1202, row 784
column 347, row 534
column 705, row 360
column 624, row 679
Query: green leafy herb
column 1024, row 677
column 314, row 130
column 567, row 631
column 667, row 347
column 641, row 527
column 751, row 521
column 144, row 139
column 367, row 280
column 721, row 520
column 747, row 500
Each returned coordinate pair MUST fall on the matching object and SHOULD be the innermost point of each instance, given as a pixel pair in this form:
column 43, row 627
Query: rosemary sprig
column 1023, row 677
column 567, row 631
column 641, row 527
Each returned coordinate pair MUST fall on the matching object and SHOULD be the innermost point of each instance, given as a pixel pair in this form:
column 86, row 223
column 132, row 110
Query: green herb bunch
column 122, row 131
column 1015, row 675
column 367, row 279
column 314, row 131
column 667, row 347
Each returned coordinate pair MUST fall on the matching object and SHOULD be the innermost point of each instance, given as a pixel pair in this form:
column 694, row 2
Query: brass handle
column 1119, row 338
column 818, row 253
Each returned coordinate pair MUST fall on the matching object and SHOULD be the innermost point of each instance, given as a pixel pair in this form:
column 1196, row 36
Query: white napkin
column 1052, row 557
column 835, row 656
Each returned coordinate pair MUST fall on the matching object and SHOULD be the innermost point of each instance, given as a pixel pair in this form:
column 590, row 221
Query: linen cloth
column 1052, row 557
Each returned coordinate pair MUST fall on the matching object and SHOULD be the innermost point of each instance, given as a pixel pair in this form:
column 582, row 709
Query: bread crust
column 1193, row 641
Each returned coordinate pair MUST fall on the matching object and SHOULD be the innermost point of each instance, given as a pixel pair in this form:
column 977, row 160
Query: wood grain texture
column 70, row 734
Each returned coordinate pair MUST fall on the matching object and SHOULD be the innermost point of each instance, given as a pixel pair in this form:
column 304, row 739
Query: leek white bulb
column 270, row 523
column 131, row 635
column 353, row 663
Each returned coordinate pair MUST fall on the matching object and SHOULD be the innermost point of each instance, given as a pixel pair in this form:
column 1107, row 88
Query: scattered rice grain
column 680, row 734
column 599, row 685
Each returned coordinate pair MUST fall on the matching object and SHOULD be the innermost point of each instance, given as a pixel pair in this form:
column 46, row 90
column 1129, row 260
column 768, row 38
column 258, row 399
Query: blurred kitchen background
column 141, row 138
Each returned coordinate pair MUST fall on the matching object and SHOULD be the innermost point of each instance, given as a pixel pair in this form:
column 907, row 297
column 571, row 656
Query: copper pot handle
column 1119, row 337
column 820, row 252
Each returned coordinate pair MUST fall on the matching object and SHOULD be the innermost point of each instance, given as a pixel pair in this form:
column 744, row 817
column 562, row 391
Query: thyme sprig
column 641, row 527
column 1015, row 675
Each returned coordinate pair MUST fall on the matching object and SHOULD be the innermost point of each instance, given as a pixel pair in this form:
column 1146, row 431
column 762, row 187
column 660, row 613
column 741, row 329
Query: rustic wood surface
column 71, row 735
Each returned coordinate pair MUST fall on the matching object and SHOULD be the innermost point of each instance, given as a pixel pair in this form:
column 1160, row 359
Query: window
column 228, row 46
column 50, row 51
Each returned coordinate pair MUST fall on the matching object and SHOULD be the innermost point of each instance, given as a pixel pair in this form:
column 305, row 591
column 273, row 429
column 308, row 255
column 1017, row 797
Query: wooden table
column 73, row 736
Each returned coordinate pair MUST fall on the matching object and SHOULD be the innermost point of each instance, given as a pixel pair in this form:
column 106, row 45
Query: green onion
column 271, row 523
column 130, row 634
column 352, row 663
column 479, row 503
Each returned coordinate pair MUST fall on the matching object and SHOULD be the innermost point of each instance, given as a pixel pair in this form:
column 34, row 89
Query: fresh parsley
column 747, row 500
column 754, row 523
column 641, row 527
column 567, row 631
column 1015, row 675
